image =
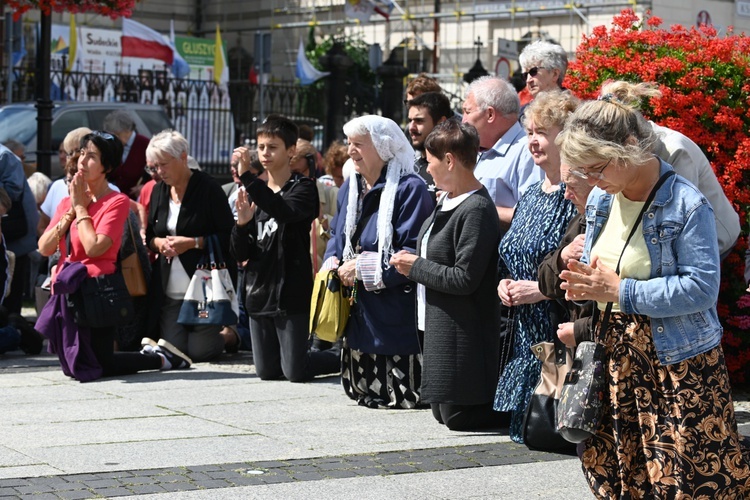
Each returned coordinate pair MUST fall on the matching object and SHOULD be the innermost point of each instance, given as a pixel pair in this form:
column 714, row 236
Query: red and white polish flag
column 138, row 40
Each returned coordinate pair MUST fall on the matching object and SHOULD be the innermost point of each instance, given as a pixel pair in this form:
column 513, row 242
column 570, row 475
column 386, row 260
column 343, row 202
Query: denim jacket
column 680, row 296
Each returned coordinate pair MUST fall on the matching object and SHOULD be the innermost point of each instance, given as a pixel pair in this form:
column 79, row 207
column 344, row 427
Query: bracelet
column 81, row 219
column 58, row 230
column 197, row 243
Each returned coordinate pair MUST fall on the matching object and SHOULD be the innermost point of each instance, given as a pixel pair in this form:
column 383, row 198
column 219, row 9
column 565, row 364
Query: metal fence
column 214, row 118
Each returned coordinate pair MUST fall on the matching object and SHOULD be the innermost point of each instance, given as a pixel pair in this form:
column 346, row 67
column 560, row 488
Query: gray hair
column 118, row 121
column 497, row 93
column 39, row 184
column 15, row 146
column 545, row 55
column 167, row 142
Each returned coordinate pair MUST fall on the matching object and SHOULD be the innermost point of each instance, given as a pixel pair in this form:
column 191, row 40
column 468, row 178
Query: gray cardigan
column 462, row 312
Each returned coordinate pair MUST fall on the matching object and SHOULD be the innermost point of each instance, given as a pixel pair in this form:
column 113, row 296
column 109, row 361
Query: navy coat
column 384, row 321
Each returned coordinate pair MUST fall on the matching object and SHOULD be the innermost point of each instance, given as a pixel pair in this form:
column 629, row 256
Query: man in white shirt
column 505, row 166
column 688, row 160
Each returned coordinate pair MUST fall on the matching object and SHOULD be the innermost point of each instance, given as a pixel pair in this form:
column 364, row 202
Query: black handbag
column 582, row 402
column 101, row 301
column 539, row 430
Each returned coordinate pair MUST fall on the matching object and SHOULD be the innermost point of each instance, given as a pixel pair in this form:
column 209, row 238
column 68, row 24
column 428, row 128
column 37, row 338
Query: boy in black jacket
column 273, row 234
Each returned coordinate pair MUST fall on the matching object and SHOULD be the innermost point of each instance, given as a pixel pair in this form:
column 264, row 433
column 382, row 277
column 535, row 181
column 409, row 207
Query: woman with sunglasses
column 543, row 67
column 538, row 224
column 651, row 263
column 88, row 228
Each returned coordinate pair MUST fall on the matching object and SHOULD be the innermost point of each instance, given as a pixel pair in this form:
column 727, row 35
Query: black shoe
column 174, row 358
column 31, row 340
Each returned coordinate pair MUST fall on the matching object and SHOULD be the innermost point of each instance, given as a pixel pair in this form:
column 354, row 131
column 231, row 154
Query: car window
column 65, row 121
column 97, row 117
column 18, row 124
column 155, row 120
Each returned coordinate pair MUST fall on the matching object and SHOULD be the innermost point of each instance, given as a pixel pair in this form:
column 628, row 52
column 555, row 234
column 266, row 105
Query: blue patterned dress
column 538, row 226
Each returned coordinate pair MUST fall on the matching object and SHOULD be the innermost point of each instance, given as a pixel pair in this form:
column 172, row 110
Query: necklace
column 103, row 193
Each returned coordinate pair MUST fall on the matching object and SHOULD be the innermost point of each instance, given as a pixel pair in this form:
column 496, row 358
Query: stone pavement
column 217, row 431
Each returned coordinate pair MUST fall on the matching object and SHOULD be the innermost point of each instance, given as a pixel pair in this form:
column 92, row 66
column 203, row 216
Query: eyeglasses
column 533, row 72
column 597, row 175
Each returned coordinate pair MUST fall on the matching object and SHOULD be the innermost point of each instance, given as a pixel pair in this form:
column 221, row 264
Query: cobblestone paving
column 136, row 482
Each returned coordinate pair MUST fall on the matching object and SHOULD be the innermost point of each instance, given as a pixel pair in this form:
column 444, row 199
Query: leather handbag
column 329, row 306
column 132, row 270
column 582, row 402
column 102, row 301
column 539, row 430
column 210, row 298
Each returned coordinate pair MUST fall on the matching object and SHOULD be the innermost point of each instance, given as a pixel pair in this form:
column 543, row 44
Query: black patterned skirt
column 381, row 381
column 670, row 431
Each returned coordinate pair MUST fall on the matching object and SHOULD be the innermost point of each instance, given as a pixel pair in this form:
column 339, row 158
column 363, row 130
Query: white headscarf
column 393, row 148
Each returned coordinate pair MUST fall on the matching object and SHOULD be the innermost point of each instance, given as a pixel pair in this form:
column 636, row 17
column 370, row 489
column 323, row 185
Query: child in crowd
column 273, row 235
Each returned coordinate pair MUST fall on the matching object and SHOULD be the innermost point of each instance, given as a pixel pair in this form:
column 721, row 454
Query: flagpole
column 43, row 102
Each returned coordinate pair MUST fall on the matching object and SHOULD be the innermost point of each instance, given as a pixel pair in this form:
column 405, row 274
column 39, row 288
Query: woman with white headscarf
column 380, row 211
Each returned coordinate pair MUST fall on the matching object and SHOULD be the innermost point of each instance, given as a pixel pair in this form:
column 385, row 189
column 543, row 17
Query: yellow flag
column 72, row 43
column 221, row 72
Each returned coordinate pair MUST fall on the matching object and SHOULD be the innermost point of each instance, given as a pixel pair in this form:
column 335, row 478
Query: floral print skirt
column 669, row 431
column 382, row 381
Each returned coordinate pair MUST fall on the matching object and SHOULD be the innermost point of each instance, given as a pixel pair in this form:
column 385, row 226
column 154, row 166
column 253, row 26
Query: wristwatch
column 196, row 242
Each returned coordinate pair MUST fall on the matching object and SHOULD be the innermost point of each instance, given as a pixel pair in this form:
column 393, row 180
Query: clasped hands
column 172, row 246
column 593, row 281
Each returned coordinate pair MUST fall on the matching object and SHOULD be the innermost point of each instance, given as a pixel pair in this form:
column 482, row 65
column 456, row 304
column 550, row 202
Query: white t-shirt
column 178, row 281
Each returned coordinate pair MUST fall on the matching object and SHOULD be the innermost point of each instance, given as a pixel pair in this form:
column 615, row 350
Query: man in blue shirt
column 505, row 166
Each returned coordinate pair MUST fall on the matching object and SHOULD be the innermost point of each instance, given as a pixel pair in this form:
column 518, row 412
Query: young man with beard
column 425, row 112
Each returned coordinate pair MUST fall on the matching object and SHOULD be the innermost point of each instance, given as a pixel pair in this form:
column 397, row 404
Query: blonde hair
column 631, row 94
column 551, row 109
column 72, row 141
column 605, row 129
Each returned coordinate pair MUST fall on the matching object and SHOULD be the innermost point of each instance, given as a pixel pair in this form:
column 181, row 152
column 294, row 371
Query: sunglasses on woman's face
column 533, row 72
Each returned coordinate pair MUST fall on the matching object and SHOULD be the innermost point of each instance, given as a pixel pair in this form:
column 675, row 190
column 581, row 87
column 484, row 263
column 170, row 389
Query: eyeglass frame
column 596, row 175
column 532, row 71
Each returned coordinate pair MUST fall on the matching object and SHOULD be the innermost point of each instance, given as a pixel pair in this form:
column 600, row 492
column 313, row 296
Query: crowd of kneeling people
column 450, row 286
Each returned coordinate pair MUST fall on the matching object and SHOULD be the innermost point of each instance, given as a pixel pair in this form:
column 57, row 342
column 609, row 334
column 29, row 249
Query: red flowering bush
column 111, row 8
column 705, row 85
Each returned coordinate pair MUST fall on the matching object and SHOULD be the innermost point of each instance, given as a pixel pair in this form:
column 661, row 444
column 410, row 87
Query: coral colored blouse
column 108, row 215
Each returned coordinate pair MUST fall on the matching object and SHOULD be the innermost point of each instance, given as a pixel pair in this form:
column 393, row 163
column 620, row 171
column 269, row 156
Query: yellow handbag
column 329, row 306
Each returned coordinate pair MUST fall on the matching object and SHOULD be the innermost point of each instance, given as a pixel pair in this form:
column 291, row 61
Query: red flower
column 111, row 8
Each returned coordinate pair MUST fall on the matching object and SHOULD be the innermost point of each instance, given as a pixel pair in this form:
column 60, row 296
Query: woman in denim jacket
column 669, row 430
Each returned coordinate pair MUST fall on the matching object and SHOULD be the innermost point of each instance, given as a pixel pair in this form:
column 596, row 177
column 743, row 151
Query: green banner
column 197, row 51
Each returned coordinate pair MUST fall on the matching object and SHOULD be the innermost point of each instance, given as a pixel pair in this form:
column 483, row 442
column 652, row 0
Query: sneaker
column 174, row 359
column 148, row 345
